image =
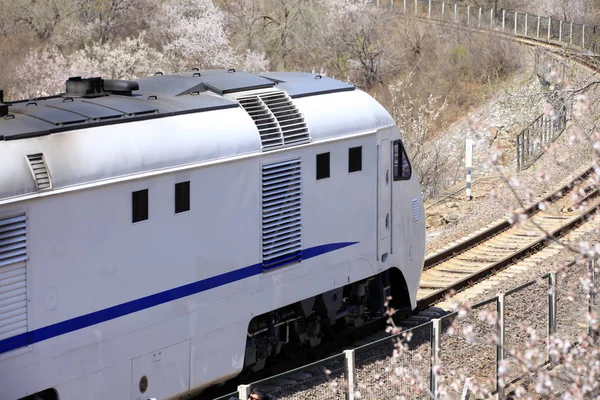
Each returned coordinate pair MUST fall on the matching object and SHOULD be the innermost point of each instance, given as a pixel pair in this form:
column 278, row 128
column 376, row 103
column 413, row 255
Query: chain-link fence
column 323, row 380
column 466, row 349
column 526, row 326
column 533, row 141
column 421, row 9
column 572, row 301
column 394, row 367
column 561, row 32
column 504, row 330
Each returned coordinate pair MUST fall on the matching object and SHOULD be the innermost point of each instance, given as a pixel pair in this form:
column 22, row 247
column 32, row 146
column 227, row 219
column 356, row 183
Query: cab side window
column 402, row 168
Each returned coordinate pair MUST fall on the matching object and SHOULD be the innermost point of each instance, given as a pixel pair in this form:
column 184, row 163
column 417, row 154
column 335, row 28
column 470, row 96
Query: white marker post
column 469, row 164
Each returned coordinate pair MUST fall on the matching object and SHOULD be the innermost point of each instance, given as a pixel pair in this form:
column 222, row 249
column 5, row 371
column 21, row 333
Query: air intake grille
column 278, row 120
column 415, row 208
column 281, row 213
column 13, row 287
column 39, row 171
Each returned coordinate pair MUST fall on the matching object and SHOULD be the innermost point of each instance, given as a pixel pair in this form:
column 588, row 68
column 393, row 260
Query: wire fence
column 504, row 330
column 466, row 350
column 565, row 33
column 324, row 379
column 533, row 141
column 525, row 316
column 387, row 360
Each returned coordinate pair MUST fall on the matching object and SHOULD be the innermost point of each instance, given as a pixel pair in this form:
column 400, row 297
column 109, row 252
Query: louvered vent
column 415, row 208
column 278, row 120
column 13, row 288
column 281, row 213
column 39, row 171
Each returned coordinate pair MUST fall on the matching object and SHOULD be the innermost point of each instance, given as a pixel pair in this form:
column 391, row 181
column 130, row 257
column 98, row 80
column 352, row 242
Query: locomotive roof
column 157, row 96
column 62, row 142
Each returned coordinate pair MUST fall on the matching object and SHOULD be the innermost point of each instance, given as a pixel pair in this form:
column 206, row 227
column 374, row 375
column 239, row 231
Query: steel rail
column 514, row 257
column 501, row 227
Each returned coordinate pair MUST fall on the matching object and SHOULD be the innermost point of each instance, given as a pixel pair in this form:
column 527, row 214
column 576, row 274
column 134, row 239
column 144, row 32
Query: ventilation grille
column 13, row 287
column 281, row 213
column 39, row 171
column 415, row 208
column 278, row 120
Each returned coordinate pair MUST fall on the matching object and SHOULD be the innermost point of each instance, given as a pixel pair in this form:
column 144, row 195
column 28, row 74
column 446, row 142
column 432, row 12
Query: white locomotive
column 159, row 236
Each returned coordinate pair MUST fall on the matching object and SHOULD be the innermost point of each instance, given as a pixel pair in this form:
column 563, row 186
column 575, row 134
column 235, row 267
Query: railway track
column 501, row 245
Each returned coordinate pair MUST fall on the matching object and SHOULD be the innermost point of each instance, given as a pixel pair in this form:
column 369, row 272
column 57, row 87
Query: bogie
column 338, row 311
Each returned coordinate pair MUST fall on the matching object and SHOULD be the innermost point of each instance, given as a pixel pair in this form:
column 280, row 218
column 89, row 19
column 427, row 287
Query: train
column 161, row 235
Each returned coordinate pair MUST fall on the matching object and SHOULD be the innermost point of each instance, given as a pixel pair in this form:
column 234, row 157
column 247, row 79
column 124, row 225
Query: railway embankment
column 451, row 216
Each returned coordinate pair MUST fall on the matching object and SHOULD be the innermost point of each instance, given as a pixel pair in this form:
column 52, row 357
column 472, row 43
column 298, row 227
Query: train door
column 383, row 199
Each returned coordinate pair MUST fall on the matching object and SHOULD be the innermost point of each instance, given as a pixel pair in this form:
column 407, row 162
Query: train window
column 323, row 166
column 355, row 159
column 139, row 202
column 402, row 168
column 182, row 197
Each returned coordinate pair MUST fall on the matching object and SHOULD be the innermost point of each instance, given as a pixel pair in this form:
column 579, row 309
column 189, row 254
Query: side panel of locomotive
column 170, row 298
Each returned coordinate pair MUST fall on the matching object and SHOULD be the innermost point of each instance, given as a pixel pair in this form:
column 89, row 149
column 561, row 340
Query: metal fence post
column 527, row 148
column 244, row 391
column 501, row 311
column 492, row 19
column 591, row 300
column 351, row 373
column 466, row 394
column 479, row 25
column 503, row 16
column 516, row 17
column 429, row 10
column 443, row 9
column 468, row 15
column 549, row 26
column 583, row 37
column 417, row 7
column 404, row 6
column 526, row 26
column 518, row 153
column 436, row 339
column 551, row 310
column 560, row 31
column 537, row 36
column 455, row 13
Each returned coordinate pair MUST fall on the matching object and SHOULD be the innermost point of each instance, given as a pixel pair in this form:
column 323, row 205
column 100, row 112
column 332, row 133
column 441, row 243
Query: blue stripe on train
column 143, row 303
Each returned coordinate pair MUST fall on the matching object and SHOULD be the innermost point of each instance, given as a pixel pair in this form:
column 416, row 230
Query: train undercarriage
column 290, row 329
